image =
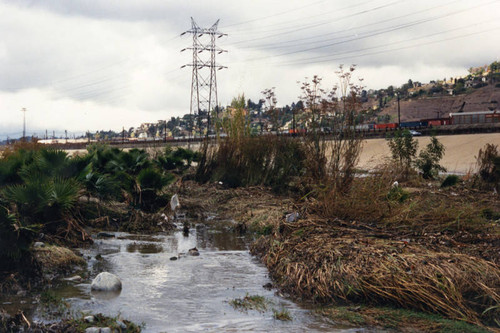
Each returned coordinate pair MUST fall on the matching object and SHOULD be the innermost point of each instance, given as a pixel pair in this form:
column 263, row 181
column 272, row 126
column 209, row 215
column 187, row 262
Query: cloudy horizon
column 78, row 66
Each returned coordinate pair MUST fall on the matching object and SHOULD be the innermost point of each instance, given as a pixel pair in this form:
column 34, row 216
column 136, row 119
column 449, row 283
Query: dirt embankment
column 440, row 106
column 460, row 154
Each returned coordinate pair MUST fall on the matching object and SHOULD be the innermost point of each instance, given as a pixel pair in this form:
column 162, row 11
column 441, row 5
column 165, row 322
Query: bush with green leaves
column 450, row 180
column 43, row 186
column 428, row 159
column 403, row 148
column 178, row 159
column 15, row 239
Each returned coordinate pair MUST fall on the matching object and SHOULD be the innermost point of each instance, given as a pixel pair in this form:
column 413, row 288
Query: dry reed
column 320, row 262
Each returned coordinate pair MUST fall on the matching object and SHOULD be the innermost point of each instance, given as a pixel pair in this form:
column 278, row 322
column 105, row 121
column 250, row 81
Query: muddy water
column 190, row 294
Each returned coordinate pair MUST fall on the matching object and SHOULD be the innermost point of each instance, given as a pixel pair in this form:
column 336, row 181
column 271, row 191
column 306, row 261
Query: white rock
column 105, row 330
column 76, row 278
column 89, row 319
column 39, row 244
column 93, row 330
column 106, row 282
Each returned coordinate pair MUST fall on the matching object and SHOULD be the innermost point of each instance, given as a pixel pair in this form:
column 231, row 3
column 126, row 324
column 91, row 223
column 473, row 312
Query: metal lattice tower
column 204, row 78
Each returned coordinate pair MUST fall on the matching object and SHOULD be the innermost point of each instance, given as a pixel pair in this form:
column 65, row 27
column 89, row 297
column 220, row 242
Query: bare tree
column 271, row 110
column 332, row 136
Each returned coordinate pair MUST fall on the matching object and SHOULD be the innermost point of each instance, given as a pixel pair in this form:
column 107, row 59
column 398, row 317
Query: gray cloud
column 123, row 57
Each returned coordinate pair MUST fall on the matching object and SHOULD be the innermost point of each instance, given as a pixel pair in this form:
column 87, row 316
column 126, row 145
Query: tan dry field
column 460, row 154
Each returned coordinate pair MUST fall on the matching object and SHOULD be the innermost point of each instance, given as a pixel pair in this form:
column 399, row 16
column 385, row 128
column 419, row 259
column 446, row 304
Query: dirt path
column 460, row 155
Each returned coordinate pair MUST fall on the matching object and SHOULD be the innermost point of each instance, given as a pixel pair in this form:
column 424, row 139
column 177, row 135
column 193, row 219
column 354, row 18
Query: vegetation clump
column 397, row 319
column 78, row 324
column 331, row 264
column 283, row 315
column 488, row 163
column 450, row 180
column 46, row 193
column 250, row 302
column 403, row 149
column 428, row 159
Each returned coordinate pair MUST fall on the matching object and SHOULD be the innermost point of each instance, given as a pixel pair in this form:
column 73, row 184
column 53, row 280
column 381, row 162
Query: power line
column 274, row 15
column 306, row 60
column 273, row 45
column 390, row 29
column 236, row 32
column 302, row 28
column 405, row 47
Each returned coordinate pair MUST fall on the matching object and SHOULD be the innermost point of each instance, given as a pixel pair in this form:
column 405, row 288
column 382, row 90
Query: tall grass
column 243, row 160
column 306, row 164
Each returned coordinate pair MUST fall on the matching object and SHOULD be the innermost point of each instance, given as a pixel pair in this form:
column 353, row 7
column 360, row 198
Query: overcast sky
column 90, row 65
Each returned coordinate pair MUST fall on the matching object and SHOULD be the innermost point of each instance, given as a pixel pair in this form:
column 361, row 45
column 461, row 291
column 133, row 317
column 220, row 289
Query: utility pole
column 399, row 112
column 23, row 110
column 123, row 135
column 66, row 135
column 204, row 83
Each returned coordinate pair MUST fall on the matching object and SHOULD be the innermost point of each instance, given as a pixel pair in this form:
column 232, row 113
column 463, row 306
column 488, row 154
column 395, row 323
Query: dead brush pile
column 319, row 261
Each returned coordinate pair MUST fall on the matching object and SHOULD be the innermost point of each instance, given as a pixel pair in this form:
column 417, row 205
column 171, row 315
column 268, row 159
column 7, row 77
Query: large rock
column 106, row 282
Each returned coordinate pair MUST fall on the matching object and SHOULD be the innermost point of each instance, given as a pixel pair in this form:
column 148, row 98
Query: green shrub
column 403, row 148
column 397, row 193
column 15, row 239
column 428, row 159
column 450, row 180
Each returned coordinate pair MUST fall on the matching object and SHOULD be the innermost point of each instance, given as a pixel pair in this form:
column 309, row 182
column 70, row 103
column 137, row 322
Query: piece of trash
column 174, row 202
column 292, row 217
column 395, row 184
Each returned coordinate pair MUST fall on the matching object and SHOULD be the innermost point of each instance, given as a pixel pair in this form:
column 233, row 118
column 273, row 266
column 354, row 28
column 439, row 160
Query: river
column 193, row 293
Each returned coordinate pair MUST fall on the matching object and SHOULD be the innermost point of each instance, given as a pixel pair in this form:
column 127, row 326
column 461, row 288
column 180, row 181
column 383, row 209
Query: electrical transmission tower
column 204, row 79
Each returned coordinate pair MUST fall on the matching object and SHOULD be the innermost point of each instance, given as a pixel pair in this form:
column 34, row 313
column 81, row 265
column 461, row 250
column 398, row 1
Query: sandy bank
column 460, row 155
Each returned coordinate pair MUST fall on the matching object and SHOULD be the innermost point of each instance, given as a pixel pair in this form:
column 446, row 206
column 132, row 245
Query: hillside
column 440, row 106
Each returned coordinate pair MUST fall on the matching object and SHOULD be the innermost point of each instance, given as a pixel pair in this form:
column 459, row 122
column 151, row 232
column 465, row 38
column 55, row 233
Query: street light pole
column 399, row 112
column 23, row 110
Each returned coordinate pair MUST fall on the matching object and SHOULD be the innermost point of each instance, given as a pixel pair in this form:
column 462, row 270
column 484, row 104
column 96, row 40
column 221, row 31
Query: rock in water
column 93, row 330
column 104, row 234
column 194, row 252
column 106, row 282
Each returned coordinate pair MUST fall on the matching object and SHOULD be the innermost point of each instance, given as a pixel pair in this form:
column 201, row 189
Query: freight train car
column 414, row 124
column 386, row 126
column 481, row 117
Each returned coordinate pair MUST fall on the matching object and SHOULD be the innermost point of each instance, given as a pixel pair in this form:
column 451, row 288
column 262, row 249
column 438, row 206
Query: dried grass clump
column 327, row 264
column 57, row 258
column 408, row 207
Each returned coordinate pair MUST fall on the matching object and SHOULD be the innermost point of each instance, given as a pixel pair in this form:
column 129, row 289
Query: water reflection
column 105, row 295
